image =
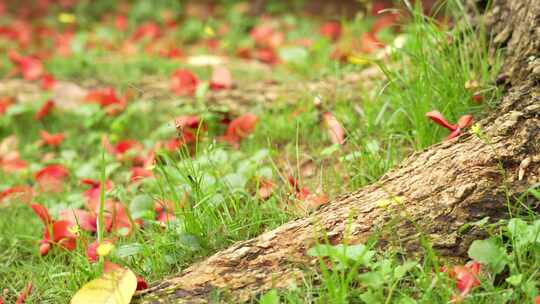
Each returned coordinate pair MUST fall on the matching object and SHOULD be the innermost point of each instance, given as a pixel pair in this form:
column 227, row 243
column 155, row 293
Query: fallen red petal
column 184, row 82
column 221, row 78
column 335, row 130
column 24, row 294
column 439, row 119
column 44, row 110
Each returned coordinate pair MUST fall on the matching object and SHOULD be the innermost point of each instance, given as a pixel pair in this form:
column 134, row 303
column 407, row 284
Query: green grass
column 212, row 186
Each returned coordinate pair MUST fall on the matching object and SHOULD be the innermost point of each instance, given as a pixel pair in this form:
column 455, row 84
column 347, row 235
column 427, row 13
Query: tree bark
column 431, row 195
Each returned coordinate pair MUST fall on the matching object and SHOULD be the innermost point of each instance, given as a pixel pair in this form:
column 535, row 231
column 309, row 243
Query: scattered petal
column 221, row 78
column 335, row 130
column 53, row 140
column 44, row 110
column 331, row 30
column 184, row 82
column 438, row 118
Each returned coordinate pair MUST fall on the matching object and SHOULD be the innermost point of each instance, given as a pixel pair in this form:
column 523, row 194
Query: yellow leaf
column 66, row 18
column 114, row 287
column 359, row 60
column 385, row 202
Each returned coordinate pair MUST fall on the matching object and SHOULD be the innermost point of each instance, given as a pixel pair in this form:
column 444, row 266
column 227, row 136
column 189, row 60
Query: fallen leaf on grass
column 115, row 286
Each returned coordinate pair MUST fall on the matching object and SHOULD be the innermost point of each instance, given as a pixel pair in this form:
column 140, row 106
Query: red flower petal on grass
column 465, row 121
column 86, row 220
column 47, row 82
column 370, row 43
column 141, row 283
column 439, row 119
column 5, row 103
column 53, row 140
column 51, row 178
column 266, row 55
column 30, row 67
column 139, row 173
column 91, row 251
column 24, row 294
column 331, row 30
column 466, row 277
column 239, row 128
column 120, row 22
column 187, row 121
column 266, row 188
column 301, row 192
column 148, row 30
column 335, row 130
column 164, row 211
column 184, row 82
column 11, row 162
column 221, row 78
column 383, row 21
column 266, row 36
column 104, row 97
column 43, row 213
column 92, row 194
column 123, row 146
column 61, row 235
column 44, row 110
column 117, row 218
column 20, row 193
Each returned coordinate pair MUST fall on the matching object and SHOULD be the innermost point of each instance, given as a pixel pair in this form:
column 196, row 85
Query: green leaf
column 142, row 206
column 320, row 251
column 128, row 250
column 235, row 180
column 514, row 280
column 293, row 54
column 489, row 252
column 373, row 279
column 370, row 297
column 270, row 297
column 401, row 270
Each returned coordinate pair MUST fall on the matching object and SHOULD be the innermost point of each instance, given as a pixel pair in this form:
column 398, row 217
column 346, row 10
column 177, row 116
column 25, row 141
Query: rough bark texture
column 433, row 193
